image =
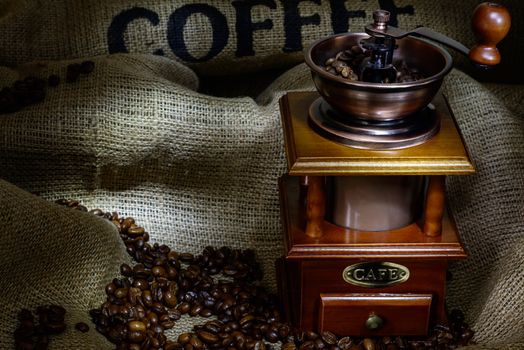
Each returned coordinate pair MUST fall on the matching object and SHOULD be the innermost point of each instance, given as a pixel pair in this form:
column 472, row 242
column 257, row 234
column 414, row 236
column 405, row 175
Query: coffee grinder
column 367, row 236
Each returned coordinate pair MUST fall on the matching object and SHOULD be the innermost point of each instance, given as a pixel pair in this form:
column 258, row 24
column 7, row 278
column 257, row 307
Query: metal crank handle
column 490, row 24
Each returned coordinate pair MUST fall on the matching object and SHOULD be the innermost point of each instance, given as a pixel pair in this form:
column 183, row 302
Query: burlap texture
column 135, row 137
column 50, row 254
column 214, row 36
column 489, row 209
column 198, row 170
column 195, row 170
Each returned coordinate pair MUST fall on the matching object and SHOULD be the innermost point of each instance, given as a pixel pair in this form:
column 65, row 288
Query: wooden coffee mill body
column 319, row 253
column 367, row 234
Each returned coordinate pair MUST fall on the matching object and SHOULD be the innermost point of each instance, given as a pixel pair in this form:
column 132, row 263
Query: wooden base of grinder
column 362, row 283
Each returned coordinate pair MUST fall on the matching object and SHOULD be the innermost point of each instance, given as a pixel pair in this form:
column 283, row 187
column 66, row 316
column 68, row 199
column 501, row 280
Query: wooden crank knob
column 490, row 23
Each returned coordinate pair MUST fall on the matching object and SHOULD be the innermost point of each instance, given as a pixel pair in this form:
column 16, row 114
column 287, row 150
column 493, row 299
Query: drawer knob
column 374, row 322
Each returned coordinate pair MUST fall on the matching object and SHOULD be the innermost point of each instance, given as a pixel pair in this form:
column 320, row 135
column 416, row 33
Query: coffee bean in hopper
column 347, row 63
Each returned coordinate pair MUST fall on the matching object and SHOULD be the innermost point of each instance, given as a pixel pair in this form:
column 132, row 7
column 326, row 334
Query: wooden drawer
column 401, row 314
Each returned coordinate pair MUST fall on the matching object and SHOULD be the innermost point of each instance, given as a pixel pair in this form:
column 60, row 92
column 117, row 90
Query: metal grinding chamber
column 367, row 237
column 375, row 203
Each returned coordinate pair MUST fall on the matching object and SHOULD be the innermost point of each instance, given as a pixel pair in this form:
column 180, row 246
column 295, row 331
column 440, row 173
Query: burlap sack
column 134, row 136
column 198, row 170
column 219, row 37
column 489, row 209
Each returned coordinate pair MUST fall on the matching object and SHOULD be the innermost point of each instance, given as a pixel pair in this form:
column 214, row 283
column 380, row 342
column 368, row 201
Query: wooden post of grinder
column 316, row 206
column 434, row 209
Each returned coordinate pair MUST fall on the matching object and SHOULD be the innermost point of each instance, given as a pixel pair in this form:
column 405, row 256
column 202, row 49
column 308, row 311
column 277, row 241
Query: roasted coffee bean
column 368, row 344
column 152, row 317
column 25, row 314
column 300, row 335
column 73, row 72
column 345, row 343
column 184, row 307
column 211, row 328
column 208, row 337
column 87, row 67
column 401, row 342
column 22, row 93
column 172, row 273
column 196, row 343
column 272, row 336
column 126, row 270
column 120, row 293
column 184, row 338
column 319, row 344
column 168, row 324
column 126, row 224
column 310, row 335
column 307, row 345
column 186, row 257
column 136, row 326
column 135, row 336
column 289, row 346
column 329, row 338
column 284, row 330
column 456, row 316
column 174, row 315
column 171, row 345
column 259, row 345
column 338, row 65
column 227, row 340
column 205, row 313
column 387, row 340
column 82, row 327
column 134, row 230
column 157, row 329
column 158, row 271
column 466, row 336
column 195, row 310
column 158, row 308
column 330, row 61
column 141, row 284
column 147, row 298
column 172, row 256
column 170, row 299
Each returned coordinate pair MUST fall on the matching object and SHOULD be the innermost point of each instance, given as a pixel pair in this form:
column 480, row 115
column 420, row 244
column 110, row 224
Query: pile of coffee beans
column 22, row 93
column 31, row 90
column 224, row 285
column 35, row 333
column 74, row 70
column 347, row 64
